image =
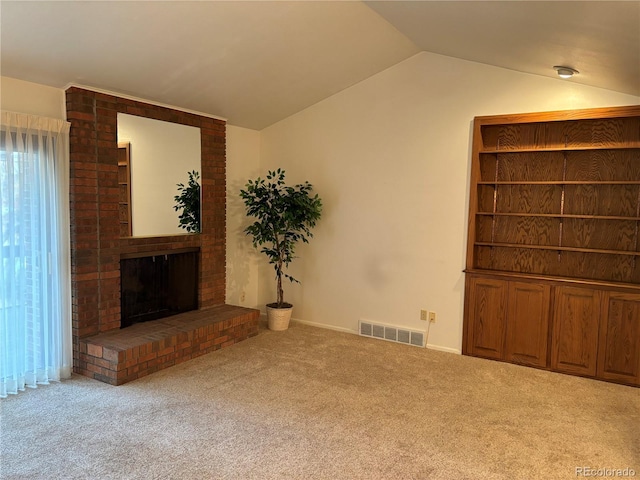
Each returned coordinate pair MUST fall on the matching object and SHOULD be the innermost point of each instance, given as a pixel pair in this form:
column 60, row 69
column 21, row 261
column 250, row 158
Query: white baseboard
column 324, row 325
column 444, row 349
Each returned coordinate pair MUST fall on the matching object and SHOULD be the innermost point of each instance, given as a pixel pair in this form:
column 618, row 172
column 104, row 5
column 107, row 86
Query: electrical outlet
column 242, row 297
column 423, row 315
column 432, row 317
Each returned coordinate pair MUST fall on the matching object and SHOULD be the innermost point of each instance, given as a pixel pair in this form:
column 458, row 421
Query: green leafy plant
column 285, row 215
column 188, row 201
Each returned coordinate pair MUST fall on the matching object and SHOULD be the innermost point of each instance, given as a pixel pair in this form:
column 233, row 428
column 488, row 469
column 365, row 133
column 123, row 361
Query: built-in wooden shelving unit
column 554, row 241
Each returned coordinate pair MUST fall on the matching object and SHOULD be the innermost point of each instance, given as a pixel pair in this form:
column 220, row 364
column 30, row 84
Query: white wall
column 32, row 98
column 243, row 163
column 390, row 158
column 161, row 154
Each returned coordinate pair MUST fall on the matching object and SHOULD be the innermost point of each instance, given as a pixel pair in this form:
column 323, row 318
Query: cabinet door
column 528, row 324
column 619, row 345
column 487, row 315
column 574, row 341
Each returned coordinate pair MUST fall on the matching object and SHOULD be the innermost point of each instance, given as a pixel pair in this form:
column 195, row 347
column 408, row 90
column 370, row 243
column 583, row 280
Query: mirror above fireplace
column 160, row 155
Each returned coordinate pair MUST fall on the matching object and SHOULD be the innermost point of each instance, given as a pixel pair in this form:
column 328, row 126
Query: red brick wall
column 95, row 238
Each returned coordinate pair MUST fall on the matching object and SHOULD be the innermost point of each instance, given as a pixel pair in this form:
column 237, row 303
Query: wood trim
column 511, row 151
column 561, row 215
column 158, row 253
column 561, row 115
column 559, row 281
column 466, row 348
column 557, row 248
column 473, row 193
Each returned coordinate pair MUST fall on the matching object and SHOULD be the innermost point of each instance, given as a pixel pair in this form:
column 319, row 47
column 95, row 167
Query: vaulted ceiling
column 257, row 62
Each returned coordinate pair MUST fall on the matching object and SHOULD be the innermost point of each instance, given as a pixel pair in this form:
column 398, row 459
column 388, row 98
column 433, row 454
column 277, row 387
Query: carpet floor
column 311, row 403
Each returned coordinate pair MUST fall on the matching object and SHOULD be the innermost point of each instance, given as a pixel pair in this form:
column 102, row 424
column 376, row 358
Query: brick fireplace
column 101, row 349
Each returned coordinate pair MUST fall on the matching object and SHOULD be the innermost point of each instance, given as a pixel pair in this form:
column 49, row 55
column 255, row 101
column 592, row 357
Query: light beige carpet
column 310, row 403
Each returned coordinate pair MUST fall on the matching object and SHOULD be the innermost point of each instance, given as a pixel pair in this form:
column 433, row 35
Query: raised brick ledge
column 119, row 356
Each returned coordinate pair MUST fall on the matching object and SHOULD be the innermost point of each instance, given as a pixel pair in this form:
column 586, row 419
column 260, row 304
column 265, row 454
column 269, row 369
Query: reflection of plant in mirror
column 189, row 202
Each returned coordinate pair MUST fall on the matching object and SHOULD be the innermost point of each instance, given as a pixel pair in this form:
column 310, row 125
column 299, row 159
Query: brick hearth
column 119, row 356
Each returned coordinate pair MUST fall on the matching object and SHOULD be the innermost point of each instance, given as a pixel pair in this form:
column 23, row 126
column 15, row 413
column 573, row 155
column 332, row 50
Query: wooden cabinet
column 508, row 320
column 575, row 330
column 528, row 324
column 555, row 213
column 487, row 318
column 619, row 346
column 547, row 323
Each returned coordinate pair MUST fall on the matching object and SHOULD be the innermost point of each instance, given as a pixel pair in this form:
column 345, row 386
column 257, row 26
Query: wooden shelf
column 557, row 248
column 559, row 215
column 559, row 149
column 618, row 286
column 564, row 179
column 563, row 182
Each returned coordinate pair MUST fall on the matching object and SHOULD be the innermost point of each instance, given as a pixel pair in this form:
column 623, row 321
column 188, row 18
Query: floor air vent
column 392, row 334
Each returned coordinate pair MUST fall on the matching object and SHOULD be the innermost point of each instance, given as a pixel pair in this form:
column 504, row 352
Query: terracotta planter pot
column 278, row 318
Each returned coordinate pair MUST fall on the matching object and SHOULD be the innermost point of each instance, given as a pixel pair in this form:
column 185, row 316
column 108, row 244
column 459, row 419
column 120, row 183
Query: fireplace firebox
column 157, row 285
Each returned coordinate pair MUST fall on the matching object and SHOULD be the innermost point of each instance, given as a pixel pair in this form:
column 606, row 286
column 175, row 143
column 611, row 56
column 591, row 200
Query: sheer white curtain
column 35, row 285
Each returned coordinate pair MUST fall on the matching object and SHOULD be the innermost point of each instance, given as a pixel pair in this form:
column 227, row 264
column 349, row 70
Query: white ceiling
column 600, row 39
column 256, row 63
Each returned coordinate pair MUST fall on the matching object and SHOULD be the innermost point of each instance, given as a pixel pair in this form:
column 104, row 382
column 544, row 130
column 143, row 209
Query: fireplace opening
column 157, row 285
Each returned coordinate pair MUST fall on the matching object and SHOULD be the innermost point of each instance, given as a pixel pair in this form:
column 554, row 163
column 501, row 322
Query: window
column 35, row 321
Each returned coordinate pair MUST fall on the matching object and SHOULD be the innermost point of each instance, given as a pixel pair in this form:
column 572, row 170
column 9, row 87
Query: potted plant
column 189, row 202
column 284, row 215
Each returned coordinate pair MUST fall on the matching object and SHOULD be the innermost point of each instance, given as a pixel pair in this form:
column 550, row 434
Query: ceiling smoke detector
column 565, row 72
